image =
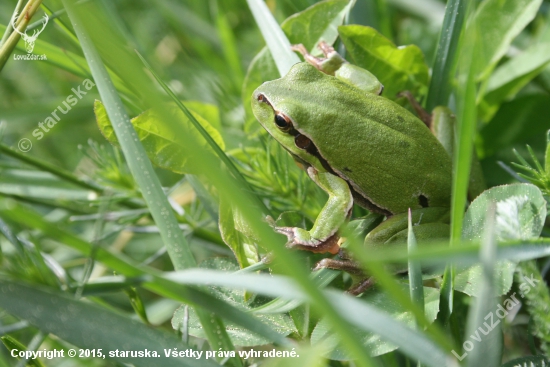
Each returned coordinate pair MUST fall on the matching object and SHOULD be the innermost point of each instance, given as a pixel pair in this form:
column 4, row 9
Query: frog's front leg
column 323, row 236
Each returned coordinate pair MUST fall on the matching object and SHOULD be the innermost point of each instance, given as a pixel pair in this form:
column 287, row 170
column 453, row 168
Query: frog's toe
column 323, row 264
column 362, row 286
column 300, row 239
column 346, row 265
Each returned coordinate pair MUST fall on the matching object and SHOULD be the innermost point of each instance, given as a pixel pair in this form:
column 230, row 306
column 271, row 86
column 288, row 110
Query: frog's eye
column 283, row 122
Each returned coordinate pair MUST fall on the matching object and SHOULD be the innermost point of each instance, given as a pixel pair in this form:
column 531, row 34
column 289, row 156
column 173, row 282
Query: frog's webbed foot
column 329, row 64
column 424, row 115
column 315, row 61
column 327, row 49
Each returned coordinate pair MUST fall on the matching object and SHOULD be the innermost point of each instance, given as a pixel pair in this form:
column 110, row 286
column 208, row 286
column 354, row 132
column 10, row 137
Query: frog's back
column 388, row 156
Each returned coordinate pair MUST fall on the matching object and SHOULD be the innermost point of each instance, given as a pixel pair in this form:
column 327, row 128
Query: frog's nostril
column 262, row 98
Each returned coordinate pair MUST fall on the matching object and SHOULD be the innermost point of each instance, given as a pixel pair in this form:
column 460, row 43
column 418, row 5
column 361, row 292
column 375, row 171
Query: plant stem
column 22, row 22
column 9, row 27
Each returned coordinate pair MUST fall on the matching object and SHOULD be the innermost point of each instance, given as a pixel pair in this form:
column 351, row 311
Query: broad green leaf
column 515, row 123
column 242, row 245
column 509, row 78
column 398, row 68
column 318, row 22
column 520, row 215
column 164, row 149
column 501, row 21
column 239, row 335
column 521, row 212
column 372, row 341
column 515, row 73
column 208, row 112
column 85, row 325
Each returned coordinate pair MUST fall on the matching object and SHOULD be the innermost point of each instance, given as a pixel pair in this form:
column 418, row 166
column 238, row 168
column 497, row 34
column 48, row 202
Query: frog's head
column 283, row 110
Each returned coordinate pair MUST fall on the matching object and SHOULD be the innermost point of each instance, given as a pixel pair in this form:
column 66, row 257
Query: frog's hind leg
column 361, row 282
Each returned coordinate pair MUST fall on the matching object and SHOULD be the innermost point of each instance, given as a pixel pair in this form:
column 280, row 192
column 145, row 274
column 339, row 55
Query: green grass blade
column 139, row 164
column 445, row 60
column 48, row 167
column 361, row 314
column 9, row 28
column 383, row 277
column 416, row 286
column 61, row 24
column 69, row 319
column 11, row 343
column 466, row 113
column 487, row 352
column 276, row 40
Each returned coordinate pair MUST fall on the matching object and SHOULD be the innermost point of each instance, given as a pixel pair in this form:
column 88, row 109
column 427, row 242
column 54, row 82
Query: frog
column 360, row 148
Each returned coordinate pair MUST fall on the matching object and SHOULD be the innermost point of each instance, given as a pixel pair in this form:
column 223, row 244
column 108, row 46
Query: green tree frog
column 359, row 147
